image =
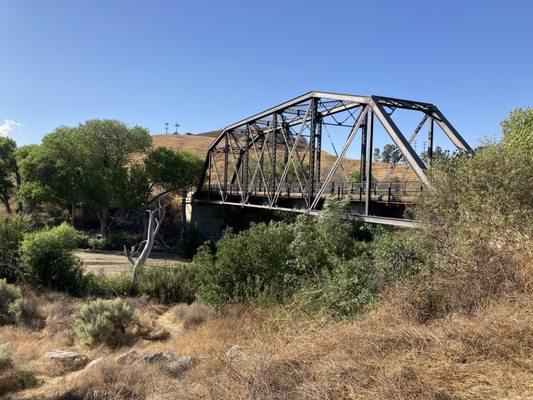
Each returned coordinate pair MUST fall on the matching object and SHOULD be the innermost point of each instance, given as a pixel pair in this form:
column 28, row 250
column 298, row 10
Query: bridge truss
column 273, row 159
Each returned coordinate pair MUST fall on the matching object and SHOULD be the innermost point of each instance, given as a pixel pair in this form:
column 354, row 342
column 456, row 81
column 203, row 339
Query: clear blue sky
column 206, row 64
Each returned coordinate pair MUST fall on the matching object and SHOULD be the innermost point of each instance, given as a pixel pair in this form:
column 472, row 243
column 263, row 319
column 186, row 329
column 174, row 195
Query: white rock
column 161, row 356
column 236, row 351
column 180, row 365
column 94, row 362
column 127, row 357
column 70, row 358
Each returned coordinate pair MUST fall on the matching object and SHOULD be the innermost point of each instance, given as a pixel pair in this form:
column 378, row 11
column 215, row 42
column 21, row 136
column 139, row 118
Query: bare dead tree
column 138, row 254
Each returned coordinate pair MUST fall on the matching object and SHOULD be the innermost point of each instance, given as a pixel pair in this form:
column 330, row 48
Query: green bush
column 114, row 241
column 188, row 246
column 246, row 264
column 6, row 360
column 104, row 322
column 172, row 284
column 344, row 291
column 168, row 284
column 12, row 231
column 8, row 296
column 117, row 241
column 25, row 312
column 48, row 260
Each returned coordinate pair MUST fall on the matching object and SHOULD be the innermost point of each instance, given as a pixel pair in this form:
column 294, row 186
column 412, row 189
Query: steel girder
column 261, row 152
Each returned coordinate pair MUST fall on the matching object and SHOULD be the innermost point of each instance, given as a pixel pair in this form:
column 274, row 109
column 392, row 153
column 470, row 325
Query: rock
column 237, row 352
column 180, row 365
column 94, row 362
column 6, row 348
column 161, row 356
column 68, row 357
column 127, row 357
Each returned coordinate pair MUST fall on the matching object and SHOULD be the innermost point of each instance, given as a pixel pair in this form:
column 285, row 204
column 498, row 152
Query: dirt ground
column 114, row 262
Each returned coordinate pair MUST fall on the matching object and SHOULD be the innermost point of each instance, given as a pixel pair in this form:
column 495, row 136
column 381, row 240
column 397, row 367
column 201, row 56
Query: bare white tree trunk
column 144, row 249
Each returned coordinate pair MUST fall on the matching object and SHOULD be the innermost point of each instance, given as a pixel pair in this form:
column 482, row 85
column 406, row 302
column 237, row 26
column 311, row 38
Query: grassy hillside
column 198, row 144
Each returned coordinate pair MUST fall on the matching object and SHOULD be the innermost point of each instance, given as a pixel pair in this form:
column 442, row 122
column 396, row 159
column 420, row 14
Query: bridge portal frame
column 285, row 124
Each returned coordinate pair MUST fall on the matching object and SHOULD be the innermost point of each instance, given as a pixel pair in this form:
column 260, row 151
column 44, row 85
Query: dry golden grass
column 387, row 354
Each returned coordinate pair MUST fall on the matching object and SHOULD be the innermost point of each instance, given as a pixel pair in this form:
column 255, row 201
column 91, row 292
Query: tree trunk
column 5, row 200
column 20, row 206
column 153, row 229
column 102, row 216
column 72, row 214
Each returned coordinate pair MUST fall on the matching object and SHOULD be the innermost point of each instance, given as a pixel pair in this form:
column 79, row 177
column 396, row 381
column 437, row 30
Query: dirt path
column 114, row 262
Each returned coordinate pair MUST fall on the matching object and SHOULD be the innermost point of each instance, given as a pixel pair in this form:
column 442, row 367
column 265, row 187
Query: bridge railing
column 389, row 191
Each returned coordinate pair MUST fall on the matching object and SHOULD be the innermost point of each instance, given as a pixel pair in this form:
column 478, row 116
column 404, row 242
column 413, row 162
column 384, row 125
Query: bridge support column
column 312, row 152
column 430, row 141
column 368, row 158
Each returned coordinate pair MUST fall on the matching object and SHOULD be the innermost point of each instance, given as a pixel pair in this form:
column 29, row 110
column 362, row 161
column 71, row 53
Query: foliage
column 48, row 260
column 8, row 295
column 355, row 176
column 188, row 245
column 84, row 164
column 6, row 360
column 518, row 130
column 104, row 322
column 12, row 231
column 168, row 284
column 25, row 312
column 480, row 220
column 246, row 264
column 113, row 241
column 8, row 169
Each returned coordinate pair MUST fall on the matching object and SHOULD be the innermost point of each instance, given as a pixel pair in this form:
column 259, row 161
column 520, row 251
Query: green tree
column 518, row 129
column 164, row 171
column 390, row 153
column 52, row 172
column 86, row 165
column 8, row 171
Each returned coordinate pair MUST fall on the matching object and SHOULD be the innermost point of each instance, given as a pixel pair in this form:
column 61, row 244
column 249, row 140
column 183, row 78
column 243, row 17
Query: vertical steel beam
column 209, row 154
column 318, row 147
column 246, row 164
column 346, row 145
column 450, row 131
column 312, row 154
column 273, row 155
column 368, row 167
column 226, row 159
column 362, row 164
column 430, row 142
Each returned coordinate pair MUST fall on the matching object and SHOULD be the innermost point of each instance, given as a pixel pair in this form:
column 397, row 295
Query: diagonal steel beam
column 450, row 131
column 344, row 149
column 395, row 162
column 401, row 142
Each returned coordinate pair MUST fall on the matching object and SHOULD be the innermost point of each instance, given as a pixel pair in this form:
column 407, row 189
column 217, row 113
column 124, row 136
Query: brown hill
column 198, row 144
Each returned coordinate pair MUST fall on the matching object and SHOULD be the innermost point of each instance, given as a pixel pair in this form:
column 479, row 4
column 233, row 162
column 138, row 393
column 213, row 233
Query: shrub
column 48, row 260
column 6, row 359
column 345, row 291
column 170, row 284
column 8, row 295
column 192, row 315
column 246, row 264
column 188, row 246
column 477, row 246
column 25, row 312
column 104, row 322
column 117, row 241
column 12, row 231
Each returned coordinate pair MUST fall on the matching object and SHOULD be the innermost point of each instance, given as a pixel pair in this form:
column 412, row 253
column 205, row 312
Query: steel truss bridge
column 272, row 160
